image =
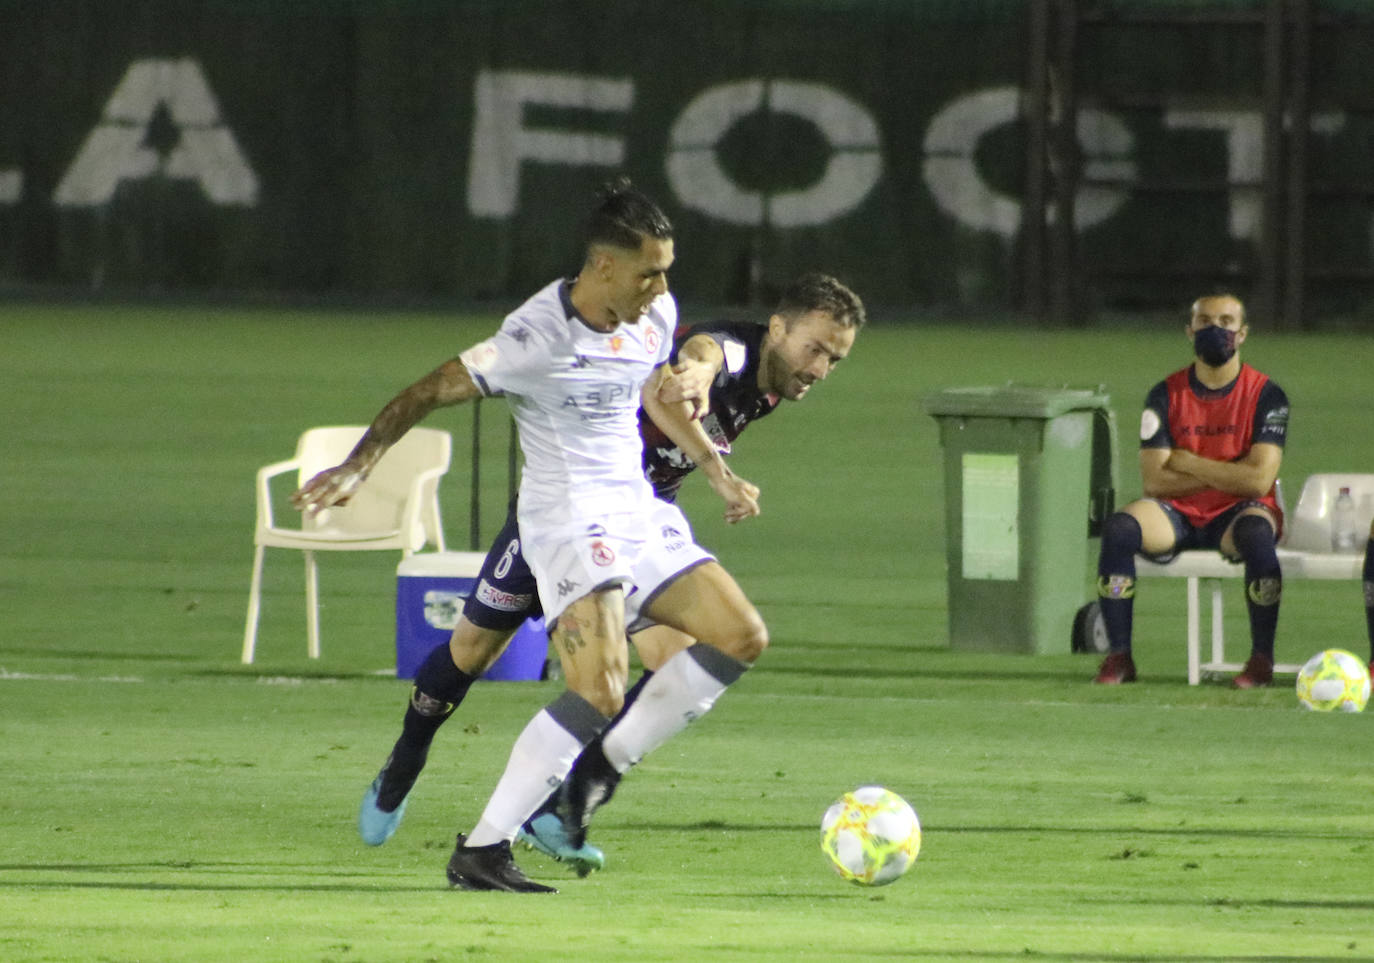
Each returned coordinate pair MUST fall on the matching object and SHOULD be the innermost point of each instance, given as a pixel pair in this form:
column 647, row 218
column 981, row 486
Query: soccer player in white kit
column 575, row 362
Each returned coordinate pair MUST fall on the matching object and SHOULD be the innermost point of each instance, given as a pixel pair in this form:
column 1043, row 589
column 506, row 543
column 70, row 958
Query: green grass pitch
column 159, row 801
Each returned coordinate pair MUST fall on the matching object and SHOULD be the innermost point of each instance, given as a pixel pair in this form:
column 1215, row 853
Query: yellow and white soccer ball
column 871, row 835
column 1334, row 679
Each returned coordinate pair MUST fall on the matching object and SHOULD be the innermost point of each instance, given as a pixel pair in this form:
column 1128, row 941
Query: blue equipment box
column 430, row 591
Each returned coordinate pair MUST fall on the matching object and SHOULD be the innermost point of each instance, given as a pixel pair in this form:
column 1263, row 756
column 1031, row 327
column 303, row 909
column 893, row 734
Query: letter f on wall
column 501, row 142
column 117, row 150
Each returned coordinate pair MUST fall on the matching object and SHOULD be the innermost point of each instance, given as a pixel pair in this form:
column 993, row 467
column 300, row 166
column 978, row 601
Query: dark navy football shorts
column 505, row 594
column 1187, row 535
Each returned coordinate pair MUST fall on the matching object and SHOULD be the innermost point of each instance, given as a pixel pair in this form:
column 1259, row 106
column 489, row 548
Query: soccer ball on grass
column 1334, row 679
column 871, row 835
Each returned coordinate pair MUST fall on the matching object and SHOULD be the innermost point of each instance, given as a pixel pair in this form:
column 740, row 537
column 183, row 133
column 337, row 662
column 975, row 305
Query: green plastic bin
column 1030, row 474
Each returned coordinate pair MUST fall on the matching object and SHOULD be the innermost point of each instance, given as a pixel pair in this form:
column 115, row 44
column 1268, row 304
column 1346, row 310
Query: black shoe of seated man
column 489, row 868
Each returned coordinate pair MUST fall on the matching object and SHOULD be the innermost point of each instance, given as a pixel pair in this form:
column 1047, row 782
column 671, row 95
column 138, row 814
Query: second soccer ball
column 1334, row 679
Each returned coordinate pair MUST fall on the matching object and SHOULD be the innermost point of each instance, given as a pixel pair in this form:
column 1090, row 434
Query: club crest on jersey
column 602, row 554
column 616, row 343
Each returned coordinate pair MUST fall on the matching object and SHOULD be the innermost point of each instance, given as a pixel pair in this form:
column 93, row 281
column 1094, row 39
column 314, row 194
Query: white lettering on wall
column 116, row 150
column 501, row 142
column 699, row 182
column 951, row 169
column 11, row 186
column 1244, row 130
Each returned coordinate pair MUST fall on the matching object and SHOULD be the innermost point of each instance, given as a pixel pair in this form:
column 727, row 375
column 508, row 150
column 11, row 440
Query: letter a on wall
column 117, row 150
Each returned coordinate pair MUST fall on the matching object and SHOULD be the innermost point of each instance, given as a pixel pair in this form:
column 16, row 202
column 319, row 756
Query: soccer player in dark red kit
column 1211, row 441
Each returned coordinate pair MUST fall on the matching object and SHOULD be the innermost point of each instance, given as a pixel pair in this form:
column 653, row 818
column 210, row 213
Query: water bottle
column 1345, row 536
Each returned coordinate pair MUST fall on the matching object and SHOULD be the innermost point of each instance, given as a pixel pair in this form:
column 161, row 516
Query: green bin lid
column 1015, row 401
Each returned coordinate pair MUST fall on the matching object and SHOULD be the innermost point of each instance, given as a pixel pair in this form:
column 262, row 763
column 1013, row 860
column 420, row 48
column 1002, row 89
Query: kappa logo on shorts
column 669, row 531
column 566, row 586
column 602, row 554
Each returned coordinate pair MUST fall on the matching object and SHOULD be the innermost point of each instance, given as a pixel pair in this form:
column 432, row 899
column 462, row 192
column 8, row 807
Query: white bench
column 1304, row 553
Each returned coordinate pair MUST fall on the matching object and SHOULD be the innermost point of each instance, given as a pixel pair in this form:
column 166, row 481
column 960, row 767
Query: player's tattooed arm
column 448, row 384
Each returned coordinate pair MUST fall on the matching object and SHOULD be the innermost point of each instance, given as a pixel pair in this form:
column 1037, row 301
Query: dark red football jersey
column 1220, row 425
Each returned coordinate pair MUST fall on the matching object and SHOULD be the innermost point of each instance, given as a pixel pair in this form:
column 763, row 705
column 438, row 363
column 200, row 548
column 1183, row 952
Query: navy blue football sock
column 439, row 687
column 1121, row 540
column 1255, row 543
column 1369, row 593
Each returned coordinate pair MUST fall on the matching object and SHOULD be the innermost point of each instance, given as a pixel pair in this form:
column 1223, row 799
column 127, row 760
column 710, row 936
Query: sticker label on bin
column 991, row 516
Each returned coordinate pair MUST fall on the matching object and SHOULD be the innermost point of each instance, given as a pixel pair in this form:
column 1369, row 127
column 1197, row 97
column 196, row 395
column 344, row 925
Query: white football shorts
column 641, row 551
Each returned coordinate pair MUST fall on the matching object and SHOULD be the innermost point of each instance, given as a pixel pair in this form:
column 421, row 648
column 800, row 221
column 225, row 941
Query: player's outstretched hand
column 741, row 497
column 689, row 381
column 333, row 486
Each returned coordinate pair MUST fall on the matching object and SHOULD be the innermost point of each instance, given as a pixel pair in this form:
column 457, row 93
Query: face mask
column 1214, row 346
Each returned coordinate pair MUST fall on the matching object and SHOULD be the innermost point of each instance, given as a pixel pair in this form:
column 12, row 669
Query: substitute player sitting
column 1211, row 441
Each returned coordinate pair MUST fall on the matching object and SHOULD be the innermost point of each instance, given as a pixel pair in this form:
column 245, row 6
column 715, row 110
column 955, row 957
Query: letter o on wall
column 951, row 172
column 699, row 182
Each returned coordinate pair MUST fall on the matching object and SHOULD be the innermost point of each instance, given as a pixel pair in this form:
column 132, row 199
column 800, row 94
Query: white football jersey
column 574, row 393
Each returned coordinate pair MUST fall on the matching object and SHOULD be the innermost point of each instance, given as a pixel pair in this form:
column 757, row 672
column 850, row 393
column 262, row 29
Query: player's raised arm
column 448, row 384
column 699, row 359
column 677, row 422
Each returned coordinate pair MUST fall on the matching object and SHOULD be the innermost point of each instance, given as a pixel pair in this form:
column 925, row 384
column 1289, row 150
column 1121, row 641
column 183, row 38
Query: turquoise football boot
column 375, row 825
column 545, row 833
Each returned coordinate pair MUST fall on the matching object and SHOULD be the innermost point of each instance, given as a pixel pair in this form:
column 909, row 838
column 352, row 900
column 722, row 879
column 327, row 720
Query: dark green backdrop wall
column 449, row 149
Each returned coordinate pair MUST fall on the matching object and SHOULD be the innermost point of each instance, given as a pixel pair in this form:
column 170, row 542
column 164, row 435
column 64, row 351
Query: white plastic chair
column 1309, row 527
column 1304, row 553
column 396, row 508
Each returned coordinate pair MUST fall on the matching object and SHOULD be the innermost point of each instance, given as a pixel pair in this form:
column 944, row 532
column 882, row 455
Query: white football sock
column 679, row 692
column 539, row 761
